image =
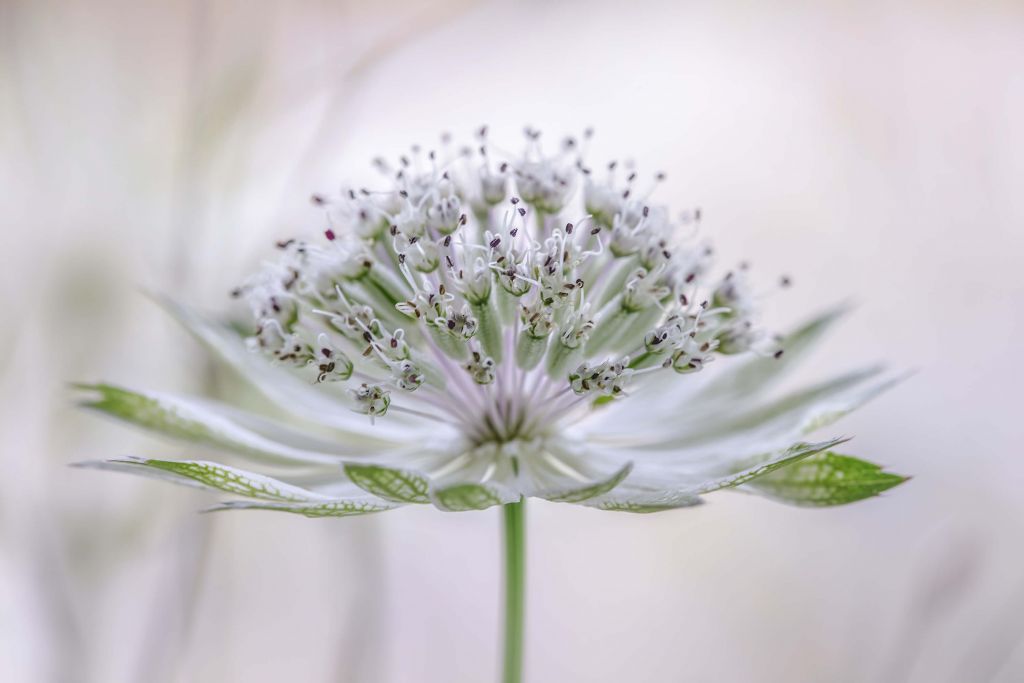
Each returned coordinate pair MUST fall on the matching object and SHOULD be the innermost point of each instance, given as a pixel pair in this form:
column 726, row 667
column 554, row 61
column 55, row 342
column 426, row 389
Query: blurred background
column 874, row 151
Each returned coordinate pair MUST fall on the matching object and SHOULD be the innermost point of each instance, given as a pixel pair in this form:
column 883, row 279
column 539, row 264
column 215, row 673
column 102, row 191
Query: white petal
column 629, row 498
column 285, row 389
column 211, row 476
column 329, row 508
column 755, row 375
column 665, row 395
column 651, row 488
column 223, row 427
column 696, row 436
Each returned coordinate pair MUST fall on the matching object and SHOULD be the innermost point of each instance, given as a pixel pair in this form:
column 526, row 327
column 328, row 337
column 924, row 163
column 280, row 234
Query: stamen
column 586, row 307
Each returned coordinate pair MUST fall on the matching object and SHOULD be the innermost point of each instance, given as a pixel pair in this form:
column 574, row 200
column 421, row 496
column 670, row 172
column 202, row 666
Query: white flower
column 482, row 330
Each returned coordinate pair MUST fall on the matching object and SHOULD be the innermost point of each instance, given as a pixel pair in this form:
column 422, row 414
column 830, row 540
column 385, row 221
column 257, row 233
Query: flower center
column 448, row 299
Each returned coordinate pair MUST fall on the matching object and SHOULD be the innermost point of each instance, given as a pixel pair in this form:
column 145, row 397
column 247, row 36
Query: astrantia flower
column 480, row 330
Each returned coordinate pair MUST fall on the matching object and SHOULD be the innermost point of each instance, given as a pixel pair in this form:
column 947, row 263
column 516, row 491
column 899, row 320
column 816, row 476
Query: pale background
column 873, row 150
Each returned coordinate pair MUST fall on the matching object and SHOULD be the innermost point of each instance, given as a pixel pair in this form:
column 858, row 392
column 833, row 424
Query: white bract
column 479, row 330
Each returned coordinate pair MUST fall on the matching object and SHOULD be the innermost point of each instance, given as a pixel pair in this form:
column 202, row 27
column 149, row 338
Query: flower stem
column 515, row 575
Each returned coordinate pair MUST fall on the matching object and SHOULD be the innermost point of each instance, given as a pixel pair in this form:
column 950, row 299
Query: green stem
column 515, row 575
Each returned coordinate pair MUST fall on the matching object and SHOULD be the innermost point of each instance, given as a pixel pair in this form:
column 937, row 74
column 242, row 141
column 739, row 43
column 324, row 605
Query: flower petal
column 627, row 498
column 207, row 475
column 579, row 494
column 785, row 458
column 332, row 508
column 662, row 396
column 397, row 485
column 759, row 430
column 804, row 474
column 825, row 479
column 463, row 497
column 284, row 388
column 653, row 492
column 218, row 425
column 743, row 380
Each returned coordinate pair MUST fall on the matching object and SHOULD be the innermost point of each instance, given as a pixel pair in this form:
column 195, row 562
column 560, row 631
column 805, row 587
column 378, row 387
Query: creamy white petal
column 285, row 389
column 775, row 424
column 651, row 488
column 217, row 477
column 661, row 396
column 226, row 428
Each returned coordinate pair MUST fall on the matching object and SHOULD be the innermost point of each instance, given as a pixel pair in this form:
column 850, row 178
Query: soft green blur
column 871, row 151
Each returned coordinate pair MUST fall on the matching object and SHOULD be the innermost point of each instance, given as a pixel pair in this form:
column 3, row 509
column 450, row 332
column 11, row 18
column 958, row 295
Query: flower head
column 475, row 329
